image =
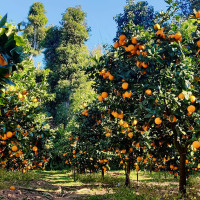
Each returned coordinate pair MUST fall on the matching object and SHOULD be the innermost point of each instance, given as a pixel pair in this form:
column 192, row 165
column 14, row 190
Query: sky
column 100, row 15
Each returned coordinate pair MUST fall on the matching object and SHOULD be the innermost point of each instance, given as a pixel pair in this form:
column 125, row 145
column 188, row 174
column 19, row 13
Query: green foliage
column 35, row 30
column 10, row 52
column 24, row 123
column 195, row 4
column 67, row 55
column 74, row 24
column 18, row 176
column 134, row 14
column 24, row 115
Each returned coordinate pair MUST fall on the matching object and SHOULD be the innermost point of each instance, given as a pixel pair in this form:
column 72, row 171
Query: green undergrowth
column 151, row 186
column 8, row 178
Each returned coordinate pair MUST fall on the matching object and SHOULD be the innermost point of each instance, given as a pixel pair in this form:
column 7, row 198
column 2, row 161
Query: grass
column 16, row 177
column 151, row 186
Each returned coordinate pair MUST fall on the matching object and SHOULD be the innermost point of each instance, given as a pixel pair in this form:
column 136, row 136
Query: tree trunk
column 150, row 167
column 182, row 167
column 102, row 173
column 182, row 171
column 74, row 174
column 127, row 171
column 34, row 39
column 137, row 176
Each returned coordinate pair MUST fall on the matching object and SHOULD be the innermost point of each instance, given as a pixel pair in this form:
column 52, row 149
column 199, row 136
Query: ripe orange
column 104, row 94
column 159, row 32
column 134, row 122
column 14, row 148
column 177, row 36
column 138, row 64
column 192, row 99
column 134, row 40
column 144, row 54
column 9, row 134
column 2, row 61
column 198, row 43
column 84, row 105
column 138, row 52
column 111, row 77
column 171, row 166
column 156, row 26
column 137, row 168
column 12, row 187
column 124, row 151
column 35, row 148
column 12, row 88
column 122, row 42
column 101, row 161
column 126, row 125
column 130, row 134
column 191, row 109
column 131, row 47
column 122, row 37
column 144, row 65
column 139, row 158
column 158, row 120
column 120, row 115
column 34, row 100
column 108, row 134
column 100, row 98
column 148, row 92
column 125, row 85
column 198, row 14
column 121, row 122
column 116, row 45
column 181, row 96
column 128, row 94
column 141, row 47
column 24, row 92
column 102, row 72
column 196, row 144
column 20, row 96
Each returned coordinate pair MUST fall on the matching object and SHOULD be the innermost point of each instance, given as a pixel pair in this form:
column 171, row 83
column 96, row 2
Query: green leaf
column 8, row 81
column 149, row 115
column 3, row 21
column 19, row 40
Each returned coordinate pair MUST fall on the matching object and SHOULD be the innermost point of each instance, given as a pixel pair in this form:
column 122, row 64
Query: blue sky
column 99, row 14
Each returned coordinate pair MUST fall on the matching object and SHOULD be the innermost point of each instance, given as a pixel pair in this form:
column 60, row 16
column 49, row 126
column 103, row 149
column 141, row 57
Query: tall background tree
column 135, row 14
column 66, row 56
column 195, row 4
column 35, row 30
column 186, row 7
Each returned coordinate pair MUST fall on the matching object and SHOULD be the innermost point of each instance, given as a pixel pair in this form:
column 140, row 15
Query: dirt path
column 52, row 186
column 61, row 186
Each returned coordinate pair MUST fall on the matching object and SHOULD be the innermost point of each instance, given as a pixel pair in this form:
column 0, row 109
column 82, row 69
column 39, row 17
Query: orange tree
column 150, row 83
column 24, row 131
column 87, row 148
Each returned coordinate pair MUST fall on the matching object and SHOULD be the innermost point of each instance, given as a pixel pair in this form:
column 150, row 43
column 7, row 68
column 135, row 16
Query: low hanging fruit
column 158, row 121
column 191, row 109
column 14, row 148
column 196, row 144
column 125, row 85
column 148, row 92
